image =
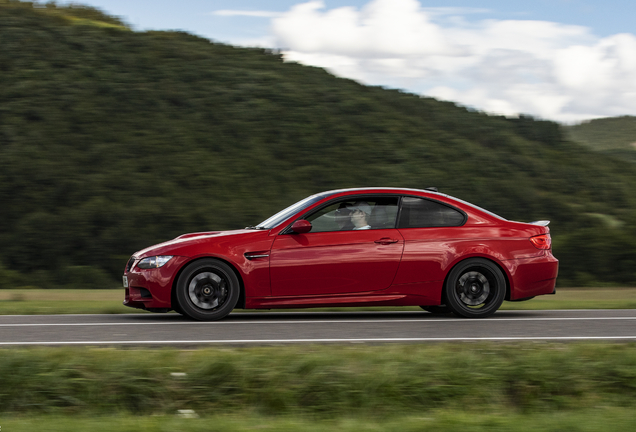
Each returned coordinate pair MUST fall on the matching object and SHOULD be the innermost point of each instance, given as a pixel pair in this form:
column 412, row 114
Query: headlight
column 153, row 262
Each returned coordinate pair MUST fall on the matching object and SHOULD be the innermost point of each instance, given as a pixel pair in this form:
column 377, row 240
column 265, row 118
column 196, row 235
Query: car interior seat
column 379, row 217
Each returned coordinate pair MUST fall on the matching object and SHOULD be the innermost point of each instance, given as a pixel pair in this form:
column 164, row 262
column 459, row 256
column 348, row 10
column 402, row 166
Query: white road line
column 326, row 321
column 359, row 340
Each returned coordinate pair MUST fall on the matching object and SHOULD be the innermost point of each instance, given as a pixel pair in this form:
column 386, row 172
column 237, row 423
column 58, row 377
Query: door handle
column 386, row 241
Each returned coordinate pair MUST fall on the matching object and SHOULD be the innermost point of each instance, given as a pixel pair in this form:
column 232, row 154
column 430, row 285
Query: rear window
column 423, row 213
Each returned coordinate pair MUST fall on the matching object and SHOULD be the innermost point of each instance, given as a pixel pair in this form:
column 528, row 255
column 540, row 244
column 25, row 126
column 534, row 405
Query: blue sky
column 564, row 60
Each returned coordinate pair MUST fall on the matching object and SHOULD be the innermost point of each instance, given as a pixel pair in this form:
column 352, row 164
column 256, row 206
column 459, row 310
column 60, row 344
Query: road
column 264, row 328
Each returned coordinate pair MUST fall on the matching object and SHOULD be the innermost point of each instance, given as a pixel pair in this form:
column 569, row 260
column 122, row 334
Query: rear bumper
column 533, row 276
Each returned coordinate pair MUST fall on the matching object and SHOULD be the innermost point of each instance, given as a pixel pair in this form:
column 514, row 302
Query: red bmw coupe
column 353, row 247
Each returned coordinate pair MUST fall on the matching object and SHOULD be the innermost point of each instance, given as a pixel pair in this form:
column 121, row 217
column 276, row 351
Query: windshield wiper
column 255, row 227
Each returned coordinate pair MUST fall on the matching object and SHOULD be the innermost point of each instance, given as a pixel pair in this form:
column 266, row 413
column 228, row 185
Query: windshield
column 289, row 211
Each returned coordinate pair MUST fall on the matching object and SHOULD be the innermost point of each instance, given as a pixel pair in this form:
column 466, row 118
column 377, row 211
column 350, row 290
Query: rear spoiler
column 541, row 223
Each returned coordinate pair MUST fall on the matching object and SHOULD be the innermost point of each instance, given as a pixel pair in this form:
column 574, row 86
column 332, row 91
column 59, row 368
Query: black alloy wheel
column 207, row 290
column 475, row 288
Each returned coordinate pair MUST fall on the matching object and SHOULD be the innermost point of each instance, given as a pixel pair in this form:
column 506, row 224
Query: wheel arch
column 173, row 292
column 501, row 267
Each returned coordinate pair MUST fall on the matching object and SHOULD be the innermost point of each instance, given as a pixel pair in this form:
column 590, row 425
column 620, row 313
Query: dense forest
column 614, row 136
column 112, row 140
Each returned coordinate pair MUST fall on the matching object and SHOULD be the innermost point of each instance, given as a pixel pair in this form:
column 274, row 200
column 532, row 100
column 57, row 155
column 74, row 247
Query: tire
column 177, row 308
column 438, row 310
column 475, row 288
column 207, row 290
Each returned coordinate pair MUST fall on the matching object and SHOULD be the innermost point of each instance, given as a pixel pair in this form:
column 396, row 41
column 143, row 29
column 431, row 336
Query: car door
column 334, row 258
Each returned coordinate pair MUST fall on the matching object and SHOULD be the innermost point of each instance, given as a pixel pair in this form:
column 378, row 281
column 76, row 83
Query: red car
column 353, row 247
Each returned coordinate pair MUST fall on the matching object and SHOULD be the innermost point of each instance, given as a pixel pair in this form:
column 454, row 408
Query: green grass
column 441, row 387
column 62, row 301
column 70, row 301
column 319, row 381
column 532, row 386
column 580, row 298
column 597, row 419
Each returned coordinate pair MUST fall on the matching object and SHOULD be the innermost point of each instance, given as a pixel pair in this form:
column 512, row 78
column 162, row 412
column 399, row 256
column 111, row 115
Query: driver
column 343, row 218
column 360, row 215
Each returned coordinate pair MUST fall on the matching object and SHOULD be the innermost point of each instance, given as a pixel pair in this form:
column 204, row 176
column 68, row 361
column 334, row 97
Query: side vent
column 255, row 255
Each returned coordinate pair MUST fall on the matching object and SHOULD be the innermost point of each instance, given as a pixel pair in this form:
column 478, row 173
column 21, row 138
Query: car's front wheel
column 207, row 290
column 475, row 288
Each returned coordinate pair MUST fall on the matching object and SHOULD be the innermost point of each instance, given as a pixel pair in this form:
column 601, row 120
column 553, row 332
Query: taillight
column 542, row 241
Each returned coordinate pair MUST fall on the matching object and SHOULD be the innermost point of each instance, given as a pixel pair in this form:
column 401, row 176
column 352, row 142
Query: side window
column 423, row 213
column 326, row 219
column 355, row 214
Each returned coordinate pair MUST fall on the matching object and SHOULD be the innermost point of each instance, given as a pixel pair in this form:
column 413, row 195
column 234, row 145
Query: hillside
column 111, row 140
column 615, row 136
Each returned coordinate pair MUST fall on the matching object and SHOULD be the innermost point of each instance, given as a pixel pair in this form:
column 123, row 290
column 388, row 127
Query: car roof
column 382, row 189
column 395, row 190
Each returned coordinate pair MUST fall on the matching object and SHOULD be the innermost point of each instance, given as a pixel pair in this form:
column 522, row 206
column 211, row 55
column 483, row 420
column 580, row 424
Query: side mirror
column 301, row 226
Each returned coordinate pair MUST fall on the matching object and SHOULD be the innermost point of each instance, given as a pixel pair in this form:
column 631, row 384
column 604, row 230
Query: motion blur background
column 116, row 134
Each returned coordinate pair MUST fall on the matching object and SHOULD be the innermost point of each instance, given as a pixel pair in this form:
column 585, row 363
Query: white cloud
column 382, row 29
column 556, row 71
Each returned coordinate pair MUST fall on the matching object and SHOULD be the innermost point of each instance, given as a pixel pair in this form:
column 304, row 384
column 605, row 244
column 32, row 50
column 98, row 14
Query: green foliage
column 73, row 13
column 112, row 140
column 606, row 133
column 320, row 381
column 9, row 278
column 614, row 137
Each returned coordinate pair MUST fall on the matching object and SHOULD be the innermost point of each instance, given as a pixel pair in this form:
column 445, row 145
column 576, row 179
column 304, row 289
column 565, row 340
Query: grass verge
column 323, row 382
column 72, row 301
column 598, row 419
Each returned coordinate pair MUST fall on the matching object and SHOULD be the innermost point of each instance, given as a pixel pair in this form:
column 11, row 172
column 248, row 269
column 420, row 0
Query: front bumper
column 152, row 288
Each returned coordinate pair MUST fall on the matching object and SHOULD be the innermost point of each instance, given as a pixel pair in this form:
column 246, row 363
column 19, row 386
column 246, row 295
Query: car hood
column 182, row 243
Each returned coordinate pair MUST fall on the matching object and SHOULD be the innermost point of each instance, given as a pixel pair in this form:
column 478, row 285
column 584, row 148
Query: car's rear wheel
column 438, row 310
column 475, row 288
column 207, row 290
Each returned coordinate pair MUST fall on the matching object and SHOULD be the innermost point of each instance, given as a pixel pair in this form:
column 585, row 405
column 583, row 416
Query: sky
column 561, row 60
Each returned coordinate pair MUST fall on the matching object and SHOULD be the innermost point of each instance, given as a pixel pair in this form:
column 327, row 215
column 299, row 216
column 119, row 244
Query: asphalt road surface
column 266, row 328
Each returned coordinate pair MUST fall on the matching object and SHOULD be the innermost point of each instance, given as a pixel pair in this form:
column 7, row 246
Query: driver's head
column 360, row 213
column 343, row 215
